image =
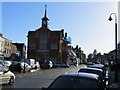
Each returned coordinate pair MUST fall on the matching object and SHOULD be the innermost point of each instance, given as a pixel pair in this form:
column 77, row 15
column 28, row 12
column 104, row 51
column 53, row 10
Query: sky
column 85, row 22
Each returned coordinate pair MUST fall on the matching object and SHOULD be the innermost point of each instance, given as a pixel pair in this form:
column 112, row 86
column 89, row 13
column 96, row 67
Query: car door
column 5, row 75
column 0, row 78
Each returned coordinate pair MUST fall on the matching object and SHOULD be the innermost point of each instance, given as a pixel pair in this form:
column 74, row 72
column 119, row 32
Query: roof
column 99, row 66
column 30, row 32
column 19, row 44
column 82, row 74
column 88, row 68
column 45, row 18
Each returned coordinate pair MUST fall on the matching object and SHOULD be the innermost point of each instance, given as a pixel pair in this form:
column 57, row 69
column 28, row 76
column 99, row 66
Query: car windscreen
column 74, row 82
column 2, row 68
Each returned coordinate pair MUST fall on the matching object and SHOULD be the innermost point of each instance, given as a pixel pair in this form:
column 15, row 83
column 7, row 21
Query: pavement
column 112, row 85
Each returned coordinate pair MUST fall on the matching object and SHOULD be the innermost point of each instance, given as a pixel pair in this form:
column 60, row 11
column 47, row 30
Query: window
column 43, row 37
column 43, row 41
column 31, row 46
column 53, row 46
column 65, row 82
column 42, row 46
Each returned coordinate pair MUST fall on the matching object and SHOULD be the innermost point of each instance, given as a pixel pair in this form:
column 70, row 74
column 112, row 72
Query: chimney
column 65, row 34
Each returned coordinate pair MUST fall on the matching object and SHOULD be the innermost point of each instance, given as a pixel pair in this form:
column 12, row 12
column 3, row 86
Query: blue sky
column 85, row 22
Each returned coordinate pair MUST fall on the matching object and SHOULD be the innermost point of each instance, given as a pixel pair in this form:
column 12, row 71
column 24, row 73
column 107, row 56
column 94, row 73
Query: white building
column 5, row 47
column 1, row 47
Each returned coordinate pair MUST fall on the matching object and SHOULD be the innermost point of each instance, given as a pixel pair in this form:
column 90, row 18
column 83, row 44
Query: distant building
column 45, row 44
column 1, row 47
column 6, row 48
column 13, row 49
column 21, row 47
column 80, row 54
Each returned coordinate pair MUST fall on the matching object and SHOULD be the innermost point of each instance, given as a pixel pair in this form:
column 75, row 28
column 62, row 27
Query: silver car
column 6, row 76
column 95, row 71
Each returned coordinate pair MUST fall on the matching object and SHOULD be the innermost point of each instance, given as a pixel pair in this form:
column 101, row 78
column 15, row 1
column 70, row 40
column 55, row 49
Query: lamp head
column 110, row 18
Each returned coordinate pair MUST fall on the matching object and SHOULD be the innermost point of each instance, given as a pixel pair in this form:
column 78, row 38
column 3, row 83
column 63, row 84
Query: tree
column 90, row 56
column 94, row 52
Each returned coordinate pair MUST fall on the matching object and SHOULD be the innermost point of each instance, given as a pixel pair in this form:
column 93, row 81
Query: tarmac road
column 40, row 78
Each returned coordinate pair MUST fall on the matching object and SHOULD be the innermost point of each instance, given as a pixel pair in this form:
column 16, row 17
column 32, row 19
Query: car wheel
column 29, row 70
column 11, row 81
column 35, row 67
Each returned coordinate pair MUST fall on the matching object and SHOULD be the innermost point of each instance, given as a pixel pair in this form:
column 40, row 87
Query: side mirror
column 5, row 71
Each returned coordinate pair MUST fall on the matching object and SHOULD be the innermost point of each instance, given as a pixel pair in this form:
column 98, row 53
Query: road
column 40, row 78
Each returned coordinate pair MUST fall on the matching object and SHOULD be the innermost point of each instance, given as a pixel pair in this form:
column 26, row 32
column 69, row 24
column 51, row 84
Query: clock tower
column 45, row 20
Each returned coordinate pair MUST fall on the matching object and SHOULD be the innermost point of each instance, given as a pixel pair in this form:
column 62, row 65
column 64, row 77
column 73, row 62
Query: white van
column 31, row 62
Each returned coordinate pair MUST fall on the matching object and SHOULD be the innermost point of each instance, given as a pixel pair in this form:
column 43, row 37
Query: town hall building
column 45, row 44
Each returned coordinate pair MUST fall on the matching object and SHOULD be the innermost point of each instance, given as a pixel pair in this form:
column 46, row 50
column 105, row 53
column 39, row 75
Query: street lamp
column 116, row 66
column 24, row 66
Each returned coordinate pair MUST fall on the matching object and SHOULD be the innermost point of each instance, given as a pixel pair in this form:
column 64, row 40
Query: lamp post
column 4, row 52
column 116, row 66
column 24, row 66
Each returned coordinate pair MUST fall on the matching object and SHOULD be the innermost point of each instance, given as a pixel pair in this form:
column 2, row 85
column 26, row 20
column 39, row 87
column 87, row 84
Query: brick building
column 45, row 44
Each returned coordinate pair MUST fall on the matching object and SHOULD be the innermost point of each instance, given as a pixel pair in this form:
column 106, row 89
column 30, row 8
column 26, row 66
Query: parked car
column 6, row 63
column 37, row 65
column 50, row 64
column 19, row 67
column 30, row 62
column 76, row 81
column 96, row 62
column 6, row 76
column 89, row 63
column 60, row 65
column 44, row 64
column 99, row 66
column 95, row 71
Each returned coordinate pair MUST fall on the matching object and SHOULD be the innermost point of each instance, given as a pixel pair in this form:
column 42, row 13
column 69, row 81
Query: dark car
column 19, row 67
column 99, row 66
column 89, row 63
column 95, row 71
column 76, row 81
column 60, row 65
column 44, row 64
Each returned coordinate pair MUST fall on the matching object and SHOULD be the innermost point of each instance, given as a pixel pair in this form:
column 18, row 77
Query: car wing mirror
column 5, row 71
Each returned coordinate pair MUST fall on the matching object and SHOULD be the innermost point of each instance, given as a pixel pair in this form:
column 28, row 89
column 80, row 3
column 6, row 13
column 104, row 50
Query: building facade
column 21, row 49
column 1, row 47
column 45, row 44
column 6, row 48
